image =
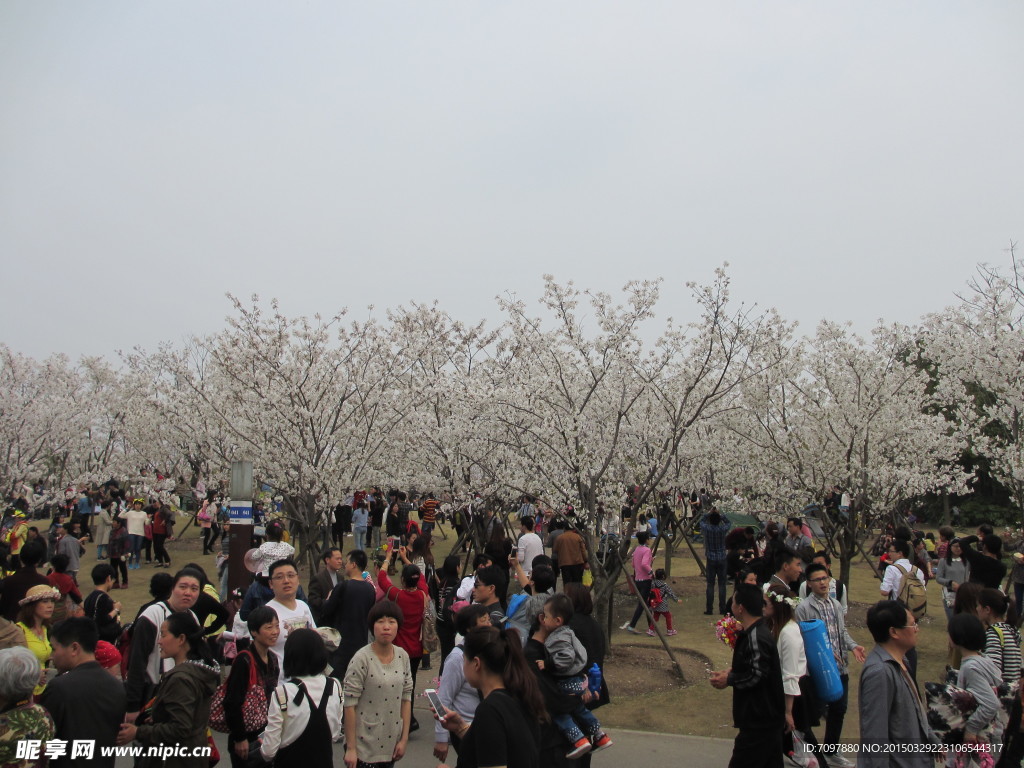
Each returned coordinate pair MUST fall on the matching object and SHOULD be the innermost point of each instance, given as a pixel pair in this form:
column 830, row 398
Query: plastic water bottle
column 366, row 575
column 594, row 679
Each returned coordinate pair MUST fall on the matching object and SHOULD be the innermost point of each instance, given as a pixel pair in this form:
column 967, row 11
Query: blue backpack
column 514, row 605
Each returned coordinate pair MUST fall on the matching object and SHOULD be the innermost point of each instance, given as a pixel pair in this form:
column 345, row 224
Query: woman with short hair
column 20, row 719
column 302, row 736
column 378, row 693
column 259, row 665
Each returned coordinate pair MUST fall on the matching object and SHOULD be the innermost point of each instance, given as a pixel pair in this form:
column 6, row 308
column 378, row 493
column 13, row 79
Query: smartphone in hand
column 435, row 702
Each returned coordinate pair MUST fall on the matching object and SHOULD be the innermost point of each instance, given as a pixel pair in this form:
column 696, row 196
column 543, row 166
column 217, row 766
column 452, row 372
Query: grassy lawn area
column 698, row 709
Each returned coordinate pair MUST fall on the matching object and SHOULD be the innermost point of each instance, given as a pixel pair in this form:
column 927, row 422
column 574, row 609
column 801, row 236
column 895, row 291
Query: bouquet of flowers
column 727, row 629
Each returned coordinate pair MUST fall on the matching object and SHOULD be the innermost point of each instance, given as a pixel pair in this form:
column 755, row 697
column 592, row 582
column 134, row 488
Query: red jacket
column 65, row 584
column 413, row 605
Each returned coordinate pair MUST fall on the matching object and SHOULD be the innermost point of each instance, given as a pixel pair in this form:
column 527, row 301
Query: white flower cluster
column 792, row 602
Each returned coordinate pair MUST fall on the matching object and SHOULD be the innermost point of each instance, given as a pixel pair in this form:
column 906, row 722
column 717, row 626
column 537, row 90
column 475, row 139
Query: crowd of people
column 286, row 671
column 780, row 580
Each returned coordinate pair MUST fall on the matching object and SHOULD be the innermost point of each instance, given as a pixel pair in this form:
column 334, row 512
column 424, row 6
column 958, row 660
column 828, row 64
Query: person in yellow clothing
column 34, row 619
column 213, row 620
column 14, row 536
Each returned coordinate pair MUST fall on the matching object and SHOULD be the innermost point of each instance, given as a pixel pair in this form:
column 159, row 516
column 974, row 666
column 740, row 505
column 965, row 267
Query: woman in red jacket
column 412, row 599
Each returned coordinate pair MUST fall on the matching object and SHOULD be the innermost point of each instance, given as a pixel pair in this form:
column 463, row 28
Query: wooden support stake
column 657, row 628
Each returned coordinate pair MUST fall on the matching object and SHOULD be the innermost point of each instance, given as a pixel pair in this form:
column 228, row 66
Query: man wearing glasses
column 893, row 718
column 900, row 568
column 292, row 613
column 821, row 605
column 836, row 588
column 486, row 583
column 899, row 559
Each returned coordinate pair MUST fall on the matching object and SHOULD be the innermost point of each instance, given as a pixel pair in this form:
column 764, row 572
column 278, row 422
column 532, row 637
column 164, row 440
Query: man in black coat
column 346, row 610
column 324, row 581
column 758, row 702
column 86, row 702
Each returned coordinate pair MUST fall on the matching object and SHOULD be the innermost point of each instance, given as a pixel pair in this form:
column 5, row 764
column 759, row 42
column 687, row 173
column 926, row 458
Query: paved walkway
column 651, row 750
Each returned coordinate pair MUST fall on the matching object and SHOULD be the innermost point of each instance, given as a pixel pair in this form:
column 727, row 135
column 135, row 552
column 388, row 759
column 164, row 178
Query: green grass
column 698, row 709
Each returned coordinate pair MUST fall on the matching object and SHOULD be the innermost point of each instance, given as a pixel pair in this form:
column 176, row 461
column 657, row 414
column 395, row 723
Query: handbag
column 802, row 755
column 254, row 706
column 428, row 629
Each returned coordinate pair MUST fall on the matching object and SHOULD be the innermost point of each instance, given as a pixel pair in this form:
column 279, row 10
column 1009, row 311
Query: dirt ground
column 639, row 671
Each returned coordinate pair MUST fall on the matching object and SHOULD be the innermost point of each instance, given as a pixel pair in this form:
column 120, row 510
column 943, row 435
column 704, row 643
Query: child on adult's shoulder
column 659, row 602
column 567, row 664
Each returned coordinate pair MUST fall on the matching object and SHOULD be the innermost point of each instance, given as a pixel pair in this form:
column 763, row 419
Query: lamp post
column 240, row 520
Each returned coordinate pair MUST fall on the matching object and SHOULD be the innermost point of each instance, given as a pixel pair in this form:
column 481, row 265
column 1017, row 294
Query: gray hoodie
column 568, row 656
column 980, row 675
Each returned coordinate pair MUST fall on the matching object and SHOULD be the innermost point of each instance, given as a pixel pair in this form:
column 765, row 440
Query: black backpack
column 447, row 596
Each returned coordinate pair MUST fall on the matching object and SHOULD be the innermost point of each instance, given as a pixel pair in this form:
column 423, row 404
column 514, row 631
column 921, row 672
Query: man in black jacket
column 987, row 568
column 346, row 609
column 758, row 702
column 86, row 702
column 325, row 580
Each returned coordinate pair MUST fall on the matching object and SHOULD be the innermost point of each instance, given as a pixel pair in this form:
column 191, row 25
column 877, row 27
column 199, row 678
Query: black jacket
column 756, row 677
column 985, row 570
column 320, row 586
column 86, row 703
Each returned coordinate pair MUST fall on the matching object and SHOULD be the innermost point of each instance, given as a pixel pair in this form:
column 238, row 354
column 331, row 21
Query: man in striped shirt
column 428, row 514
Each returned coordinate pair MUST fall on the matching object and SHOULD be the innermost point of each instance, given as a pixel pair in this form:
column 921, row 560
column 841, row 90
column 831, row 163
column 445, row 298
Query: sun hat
column 40, row 592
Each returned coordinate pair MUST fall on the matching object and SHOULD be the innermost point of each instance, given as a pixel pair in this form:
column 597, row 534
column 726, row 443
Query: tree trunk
column 300, row 509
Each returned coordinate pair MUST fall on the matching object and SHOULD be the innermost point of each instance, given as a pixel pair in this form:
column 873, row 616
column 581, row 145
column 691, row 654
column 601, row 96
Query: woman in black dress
column 506, row 726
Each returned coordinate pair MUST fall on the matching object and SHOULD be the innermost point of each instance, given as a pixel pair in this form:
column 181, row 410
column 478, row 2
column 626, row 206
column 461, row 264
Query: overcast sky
column 851, row 161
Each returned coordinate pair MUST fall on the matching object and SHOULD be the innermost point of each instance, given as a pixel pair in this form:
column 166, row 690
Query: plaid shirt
column 714, row 538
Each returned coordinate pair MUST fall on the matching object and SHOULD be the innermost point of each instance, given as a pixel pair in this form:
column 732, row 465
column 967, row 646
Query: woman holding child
column 505, row 729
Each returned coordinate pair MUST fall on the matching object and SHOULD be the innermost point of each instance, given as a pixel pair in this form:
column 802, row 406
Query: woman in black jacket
column 443, row 587
column 264, row 630
column 505, row 725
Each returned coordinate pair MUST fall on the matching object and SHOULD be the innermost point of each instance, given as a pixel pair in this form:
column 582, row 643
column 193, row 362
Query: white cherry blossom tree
column 841, row 410
column 978, row 347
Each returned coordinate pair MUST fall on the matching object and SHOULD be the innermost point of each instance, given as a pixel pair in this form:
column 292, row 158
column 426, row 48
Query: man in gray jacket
column 820, row 605
column 893, row 720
